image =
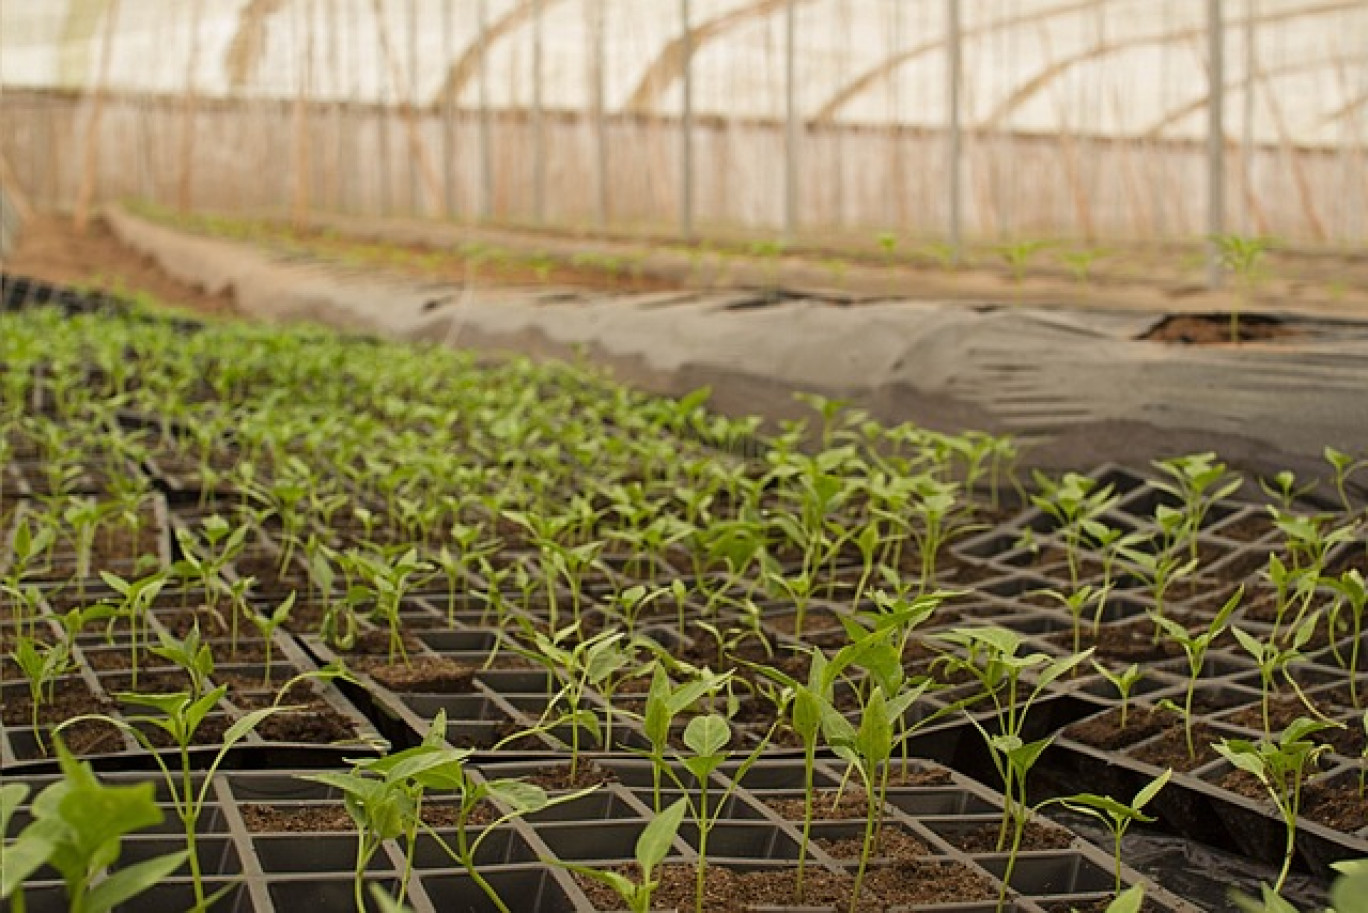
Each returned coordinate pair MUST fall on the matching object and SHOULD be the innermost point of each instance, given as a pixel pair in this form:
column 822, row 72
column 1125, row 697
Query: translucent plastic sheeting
column 1297, row 70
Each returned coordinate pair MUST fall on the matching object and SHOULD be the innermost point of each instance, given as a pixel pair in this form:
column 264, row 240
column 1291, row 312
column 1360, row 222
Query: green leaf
column 1349, row 893
column 1151, row 789
column 521, row 796
column 129, row 882
column 707, row 736
column 874, row 739
column 20, row 859
column 1128, row 901
column 655, row 841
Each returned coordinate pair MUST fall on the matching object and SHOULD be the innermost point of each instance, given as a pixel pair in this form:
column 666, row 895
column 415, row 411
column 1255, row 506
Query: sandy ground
column 51, row 250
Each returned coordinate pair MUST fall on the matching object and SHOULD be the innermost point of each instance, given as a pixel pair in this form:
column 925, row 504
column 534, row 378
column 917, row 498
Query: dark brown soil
column 919, row 881
column 827, row 805
column 1127, row 642
column 319, row 725
column 303, row 819
column 308, row 819
column 892, row 843
column 1338, row 805
column 1243, row 783
column 426, row 674
column 1170, row 748
column 558, row 777
column 1097, row 906
column 984, row 839
column 1214, row 329
column 1103, row 731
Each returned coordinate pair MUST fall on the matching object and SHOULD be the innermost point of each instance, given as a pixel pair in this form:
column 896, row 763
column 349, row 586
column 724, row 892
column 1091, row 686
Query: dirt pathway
column 51, row 250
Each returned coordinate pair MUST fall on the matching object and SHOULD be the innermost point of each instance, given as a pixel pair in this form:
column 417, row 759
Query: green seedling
column 1273, row 658
column 267, row 624
column 1243, row 256
column 42, row 666
column 651, row 849
column 1124, row 682
column 179, row 715
column 1195, row 647
column 78, row 828
column 1344, row 465
column 1198, row 482
column 706, row 738
column 1018, row 256
column 1080, row 262
column 1117, row 816
column 384, row 798
column 1281, row 767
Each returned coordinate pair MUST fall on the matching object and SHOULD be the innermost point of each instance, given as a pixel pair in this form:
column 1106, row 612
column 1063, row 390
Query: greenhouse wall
column 251, row 156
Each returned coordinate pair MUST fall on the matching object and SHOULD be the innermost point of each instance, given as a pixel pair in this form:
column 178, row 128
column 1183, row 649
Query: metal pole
column 448, row 117
column 686, row 165
column 538, row 125
column 598, row 69
column 486, row 150
column 1216, row 164
column 383, row 113
column 791, row 121
column 1247, row 128
column 954, row 150
column 414, row 191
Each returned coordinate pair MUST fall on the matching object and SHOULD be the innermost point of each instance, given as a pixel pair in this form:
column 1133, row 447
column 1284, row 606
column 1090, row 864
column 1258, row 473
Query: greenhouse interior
column 715, row 456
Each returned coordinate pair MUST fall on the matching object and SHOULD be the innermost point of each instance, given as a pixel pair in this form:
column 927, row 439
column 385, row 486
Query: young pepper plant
column 77, row 828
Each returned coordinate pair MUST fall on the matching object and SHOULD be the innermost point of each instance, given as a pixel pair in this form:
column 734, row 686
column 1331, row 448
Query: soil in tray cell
column 983, row 838
column 1104, row 730
column 919, row 881
column 1337, row 803
column 424, row 674
column 1169, row 749
column 893, row 842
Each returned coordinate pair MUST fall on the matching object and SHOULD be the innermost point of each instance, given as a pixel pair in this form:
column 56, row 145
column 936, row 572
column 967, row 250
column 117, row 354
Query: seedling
column 1241, row 255
column 78, row 827
column 42, row 665
column 268, row 624
column 1281, row 768
column 651, row 849
column 1195, row 646
column 1124, row 682
column 1198, row 481
column 1117, row 816
column 179, row 715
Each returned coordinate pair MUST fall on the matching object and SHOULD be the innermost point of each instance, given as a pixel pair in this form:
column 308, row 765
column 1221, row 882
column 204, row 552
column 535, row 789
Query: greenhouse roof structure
column 1296, row 70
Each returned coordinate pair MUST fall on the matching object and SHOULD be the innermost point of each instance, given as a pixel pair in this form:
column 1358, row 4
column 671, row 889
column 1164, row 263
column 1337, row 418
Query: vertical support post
column 791, row 124
column 538, row 118
column 486, row 151
column 1216, row 165
column 416, row 105
column 597, row 73
column 448, row 117
column 384, row 110
column 1247, row 127
column 954, row 148
column 686, row 164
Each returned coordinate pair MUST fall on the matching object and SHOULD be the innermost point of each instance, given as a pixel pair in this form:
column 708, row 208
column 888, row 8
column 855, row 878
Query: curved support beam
column 1246, row 84
column 76, row 46
column 244, row 52
column 669, row 64
column 826, row 114
column 1036, row 84
column 467, row 67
